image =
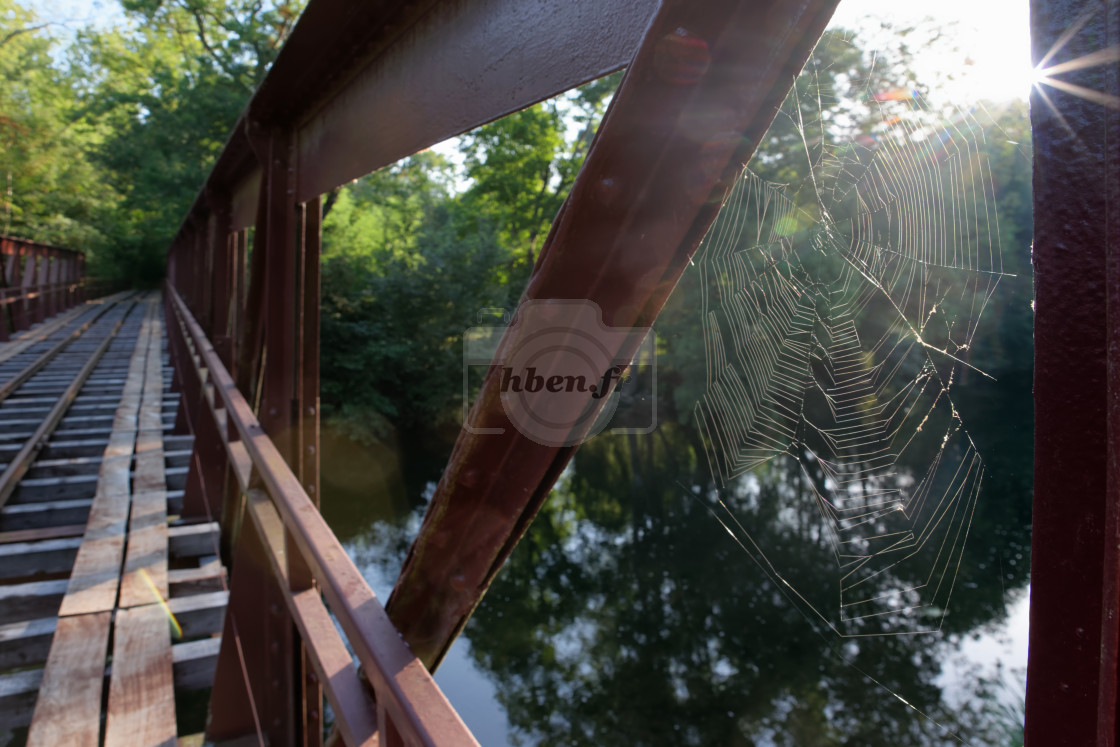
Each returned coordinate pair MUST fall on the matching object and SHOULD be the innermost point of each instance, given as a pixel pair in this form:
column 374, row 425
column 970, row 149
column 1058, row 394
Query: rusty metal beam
column 459, row 66
column 705, row 86
column 1075, row 562
column 463, row 64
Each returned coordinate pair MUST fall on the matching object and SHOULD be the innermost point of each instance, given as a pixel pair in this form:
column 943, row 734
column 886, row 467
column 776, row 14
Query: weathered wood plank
column 141, row 688
column 46, row 533
column 68, row 709
column 145, row 568
column 21, row 559
column 17, row 697
column 97, row 568
column 95, row 579
column 27, row 643
column 145, row 572
column 40, row 333
column 194, row 663
column 200, row 614
column 39, row 516
column 42, row 489
column 31, row 600
column 193, row 667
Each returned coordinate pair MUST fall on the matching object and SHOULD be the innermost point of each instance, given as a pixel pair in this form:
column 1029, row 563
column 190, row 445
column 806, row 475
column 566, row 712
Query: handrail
column 37, row 281
column 407, row 699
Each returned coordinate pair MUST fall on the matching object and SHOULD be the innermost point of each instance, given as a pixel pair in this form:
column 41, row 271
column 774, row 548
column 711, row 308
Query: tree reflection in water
column 628, row 615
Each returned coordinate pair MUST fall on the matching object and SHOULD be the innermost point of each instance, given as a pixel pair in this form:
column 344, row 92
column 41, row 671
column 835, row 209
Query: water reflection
column 628, row 614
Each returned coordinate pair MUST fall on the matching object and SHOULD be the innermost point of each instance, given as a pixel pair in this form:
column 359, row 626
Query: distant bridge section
column 38, row 282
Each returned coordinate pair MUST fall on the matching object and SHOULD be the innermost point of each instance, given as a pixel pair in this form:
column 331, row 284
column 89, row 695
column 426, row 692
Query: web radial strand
column 837, row 317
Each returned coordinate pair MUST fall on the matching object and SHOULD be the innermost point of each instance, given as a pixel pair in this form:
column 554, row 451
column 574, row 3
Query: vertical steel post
column 277, row 400
column 198, row 254
column 221, row 265
column 306, row 454
column 252, row 331
column 27, row 306
column 12, row 309
column 42, row 279
column 267, row 350
column 237, row 309
column 206, row 284
column 1075, row 550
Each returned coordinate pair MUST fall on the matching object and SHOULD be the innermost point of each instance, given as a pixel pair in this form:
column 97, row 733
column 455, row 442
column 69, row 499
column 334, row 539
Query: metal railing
column 280, row 525
column 39, row 281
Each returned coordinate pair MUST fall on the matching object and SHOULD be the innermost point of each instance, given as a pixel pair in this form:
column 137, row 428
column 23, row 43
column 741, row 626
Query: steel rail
column 10, row 386
column 21, row 462
column 29, row 337
column 405, row 692
column 341, row 679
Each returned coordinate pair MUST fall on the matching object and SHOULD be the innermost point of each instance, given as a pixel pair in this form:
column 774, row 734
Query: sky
column 992, row 59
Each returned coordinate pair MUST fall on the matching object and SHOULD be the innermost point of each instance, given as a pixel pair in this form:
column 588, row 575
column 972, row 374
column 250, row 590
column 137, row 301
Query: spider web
column 837, row 317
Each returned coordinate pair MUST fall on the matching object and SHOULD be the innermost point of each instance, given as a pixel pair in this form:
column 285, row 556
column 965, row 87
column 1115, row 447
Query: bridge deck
column 109, row 603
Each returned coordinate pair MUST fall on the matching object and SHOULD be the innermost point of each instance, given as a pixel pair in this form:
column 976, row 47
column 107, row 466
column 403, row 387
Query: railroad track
column 72, row 390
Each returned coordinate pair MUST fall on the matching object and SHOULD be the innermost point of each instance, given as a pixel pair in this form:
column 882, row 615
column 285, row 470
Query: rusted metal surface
column 306, row 447
column 334, row 81
column 401, row 684
column 459, row 66
column 1108, row 731
column 701, row 92
column 39, row 281
column 1075, row 564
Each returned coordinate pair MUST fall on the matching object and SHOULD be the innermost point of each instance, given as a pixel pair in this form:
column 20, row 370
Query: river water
column 825, row 538
column 630, row 614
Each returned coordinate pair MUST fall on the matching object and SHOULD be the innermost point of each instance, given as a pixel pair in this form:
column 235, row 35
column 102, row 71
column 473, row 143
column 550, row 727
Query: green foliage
column 405, row 270
column 409, row 263
column 522, row 166
column 169, row 91
column 167, row 129
column 239, row 39
column 52, row 190
column 107, row 145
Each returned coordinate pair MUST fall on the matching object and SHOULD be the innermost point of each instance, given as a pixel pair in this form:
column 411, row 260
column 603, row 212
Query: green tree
column 409, row 263
column 167, row 92
column 405, row 270
column 240, row 39
column 522, row 166
column 52, row 190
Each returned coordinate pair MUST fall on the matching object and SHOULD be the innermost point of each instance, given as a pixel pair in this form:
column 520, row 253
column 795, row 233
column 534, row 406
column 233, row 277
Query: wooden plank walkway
column 95, row 565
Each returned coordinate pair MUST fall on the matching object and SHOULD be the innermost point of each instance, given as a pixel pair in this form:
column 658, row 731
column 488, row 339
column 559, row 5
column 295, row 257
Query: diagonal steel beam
column 704, row 87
